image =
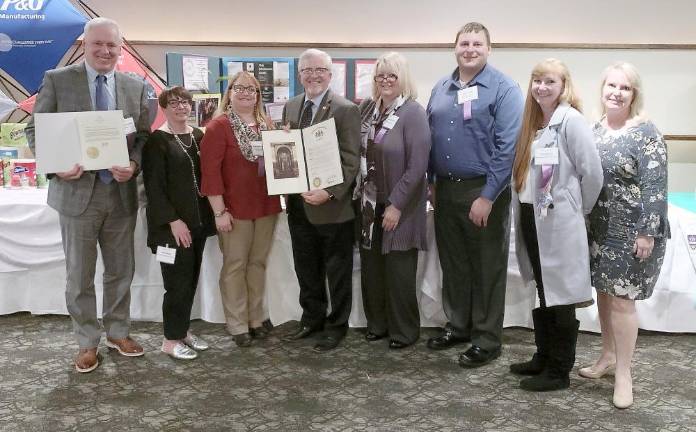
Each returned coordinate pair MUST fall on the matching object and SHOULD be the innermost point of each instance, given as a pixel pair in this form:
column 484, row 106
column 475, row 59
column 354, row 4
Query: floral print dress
column 633, row 202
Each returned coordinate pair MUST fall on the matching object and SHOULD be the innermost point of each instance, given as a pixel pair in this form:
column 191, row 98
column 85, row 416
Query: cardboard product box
column 12, row 135
column 9, row 153
column 20, row 173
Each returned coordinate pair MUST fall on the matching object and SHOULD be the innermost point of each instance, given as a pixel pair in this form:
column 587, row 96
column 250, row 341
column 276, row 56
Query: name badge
column 257, row 148
column 390, row 122
column 546, row 156
column 128, row 126
column 166, row 254
column 467, row 94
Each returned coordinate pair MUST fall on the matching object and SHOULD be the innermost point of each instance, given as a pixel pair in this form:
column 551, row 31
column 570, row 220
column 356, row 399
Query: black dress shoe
column 242, row 340
column 258, row 332
column 395, row 344
column 446, row 340
column 477, row 356
column 302, row 332
column 327, row 343
column 371, row 337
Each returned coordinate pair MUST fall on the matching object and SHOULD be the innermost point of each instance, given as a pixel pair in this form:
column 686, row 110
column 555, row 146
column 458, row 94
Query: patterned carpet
column 278, row 386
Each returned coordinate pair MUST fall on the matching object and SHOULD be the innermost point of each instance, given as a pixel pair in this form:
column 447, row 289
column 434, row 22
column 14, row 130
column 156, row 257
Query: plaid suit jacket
column 66, row 90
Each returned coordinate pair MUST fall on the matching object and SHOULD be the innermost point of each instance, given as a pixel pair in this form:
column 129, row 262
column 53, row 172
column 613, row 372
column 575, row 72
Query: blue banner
column 34, row 36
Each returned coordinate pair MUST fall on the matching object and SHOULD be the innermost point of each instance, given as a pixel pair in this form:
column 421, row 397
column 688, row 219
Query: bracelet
column 222, row 212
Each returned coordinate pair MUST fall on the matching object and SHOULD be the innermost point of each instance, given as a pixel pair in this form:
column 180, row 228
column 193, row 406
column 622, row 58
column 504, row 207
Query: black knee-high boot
column 563, row 336
column 541, row 339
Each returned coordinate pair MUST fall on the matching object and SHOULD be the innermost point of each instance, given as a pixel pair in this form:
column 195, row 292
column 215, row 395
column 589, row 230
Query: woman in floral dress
column 628, row 225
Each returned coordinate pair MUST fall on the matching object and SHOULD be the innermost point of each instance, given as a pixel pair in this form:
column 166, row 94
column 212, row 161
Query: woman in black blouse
column 178, row 217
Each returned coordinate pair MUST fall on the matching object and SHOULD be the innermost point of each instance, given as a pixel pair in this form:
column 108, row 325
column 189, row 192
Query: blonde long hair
column 259, row 112
column 533, row 117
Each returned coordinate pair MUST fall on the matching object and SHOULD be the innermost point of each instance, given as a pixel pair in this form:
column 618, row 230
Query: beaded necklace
column 184, row 148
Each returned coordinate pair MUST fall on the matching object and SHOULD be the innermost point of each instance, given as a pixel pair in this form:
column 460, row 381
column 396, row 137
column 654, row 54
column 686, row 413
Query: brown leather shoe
column 126, row 346
column 87, row 360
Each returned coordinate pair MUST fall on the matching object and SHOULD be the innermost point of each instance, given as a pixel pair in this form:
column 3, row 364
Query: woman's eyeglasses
column 386, row 78
column 173, row 103
column 244, row 89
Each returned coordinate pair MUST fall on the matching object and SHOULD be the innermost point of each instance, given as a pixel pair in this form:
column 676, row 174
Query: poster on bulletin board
column 364, row 71
column 196, row 73
column 275, row 75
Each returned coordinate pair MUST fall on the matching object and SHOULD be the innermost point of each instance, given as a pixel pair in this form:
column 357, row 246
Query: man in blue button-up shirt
column 474, row 115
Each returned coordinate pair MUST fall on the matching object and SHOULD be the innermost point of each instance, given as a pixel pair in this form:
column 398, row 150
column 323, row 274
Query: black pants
column 529, row 235
column 474, row 261
column 180, row 282
column 322, row 252
column 388, row 284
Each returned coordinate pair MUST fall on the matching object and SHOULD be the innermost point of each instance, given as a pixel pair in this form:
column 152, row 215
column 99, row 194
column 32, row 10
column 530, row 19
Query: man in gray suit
column 321, row 221
column 97, row 207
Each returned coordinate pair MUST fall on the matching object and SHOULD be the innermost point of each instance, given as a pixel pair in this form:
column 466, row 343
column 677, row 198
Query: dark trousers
column 322, row 252
column 473, row 260
column 528, row 225
column 180, row 282
column 529, row 235
column 388, row 284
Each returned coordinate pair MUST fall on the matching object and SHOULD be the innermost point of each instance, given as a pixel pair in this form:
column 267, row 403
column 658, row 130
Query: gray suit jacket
column 65, row 90
column 347, row 118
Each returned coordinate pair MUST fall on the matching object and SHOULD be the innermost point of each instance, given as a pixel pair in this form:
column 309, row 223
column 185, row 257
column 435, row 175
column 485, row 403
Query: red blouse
column 224, row 171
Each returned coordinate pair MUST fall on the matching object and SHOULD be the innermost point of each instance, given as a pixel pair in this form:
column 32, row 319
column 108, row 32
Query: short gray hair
column 312, row 52
column 102, row 22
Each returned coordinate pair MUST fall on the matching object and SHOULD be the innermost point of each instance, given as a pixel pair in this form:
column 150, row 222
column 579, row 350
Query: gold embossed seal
column 92, row 152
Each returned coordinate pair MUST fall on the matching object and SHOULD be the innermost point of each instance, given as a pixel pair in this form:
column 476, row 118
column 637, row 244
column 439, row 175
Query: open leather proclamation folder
column 302, row 160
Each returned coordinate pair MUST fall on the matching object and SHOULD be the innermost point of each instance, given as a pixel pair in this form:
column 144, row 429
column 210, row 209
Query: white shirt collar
column 92, row 74
column 317, row 100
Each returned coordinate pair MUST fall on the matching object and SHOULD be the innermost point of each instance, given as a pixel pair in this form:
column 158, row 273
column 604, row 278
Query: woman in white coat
column 557, row 176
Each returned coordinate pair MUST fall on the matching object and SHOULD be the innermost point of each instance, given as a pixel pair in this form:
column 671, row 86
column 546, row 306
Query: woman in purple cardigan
column 391, row 188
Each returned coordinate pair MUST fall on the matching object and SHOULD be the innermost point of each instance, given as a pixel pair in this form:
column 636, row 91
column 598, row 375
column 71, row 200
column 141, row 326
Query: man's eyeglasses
column 173, row 103
column 312, row 71
column 386, row 78
column 244, row 89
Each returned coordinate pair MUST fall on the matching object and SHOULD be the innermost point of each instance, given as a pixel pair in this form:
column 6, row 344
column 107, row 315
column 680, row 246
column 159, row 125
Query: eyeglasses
column 312, row 71
column 101, row 45
column 173, row 103
column 386, row 78
column 244, row 89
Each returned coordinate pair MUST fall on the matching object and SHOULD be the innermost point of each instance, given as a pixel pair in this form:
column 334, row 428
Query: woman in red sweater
column 245, row 216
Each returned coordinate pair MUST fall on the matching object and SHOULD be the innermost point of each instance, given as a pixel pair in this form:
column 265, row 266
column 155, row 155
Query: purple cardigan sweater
column 402, row 161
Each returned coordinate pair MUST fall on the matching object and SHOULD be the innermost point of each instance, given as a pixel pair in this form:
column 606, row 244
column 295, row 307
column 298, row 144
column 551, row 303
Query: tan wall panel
column 411, row 21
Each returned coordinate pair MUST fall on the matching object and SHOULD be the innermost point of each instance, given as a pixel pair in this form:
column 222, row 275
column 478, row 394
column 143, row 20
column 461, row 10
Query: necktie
column 306, row 117
column 101, row 103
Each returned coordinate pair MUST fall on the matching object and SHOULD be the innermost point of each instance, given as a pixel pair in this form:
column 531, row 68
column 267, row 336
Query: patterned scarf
column 245, row 135
column 371, row 132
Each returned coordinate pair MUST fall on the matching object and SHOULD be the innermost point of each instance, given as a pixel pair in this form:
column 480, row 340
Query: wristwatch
column 222, row 212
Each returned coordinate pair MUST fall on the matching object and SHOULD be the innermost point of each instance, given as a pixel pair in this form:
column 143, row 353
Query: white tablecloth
column 32, row 275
